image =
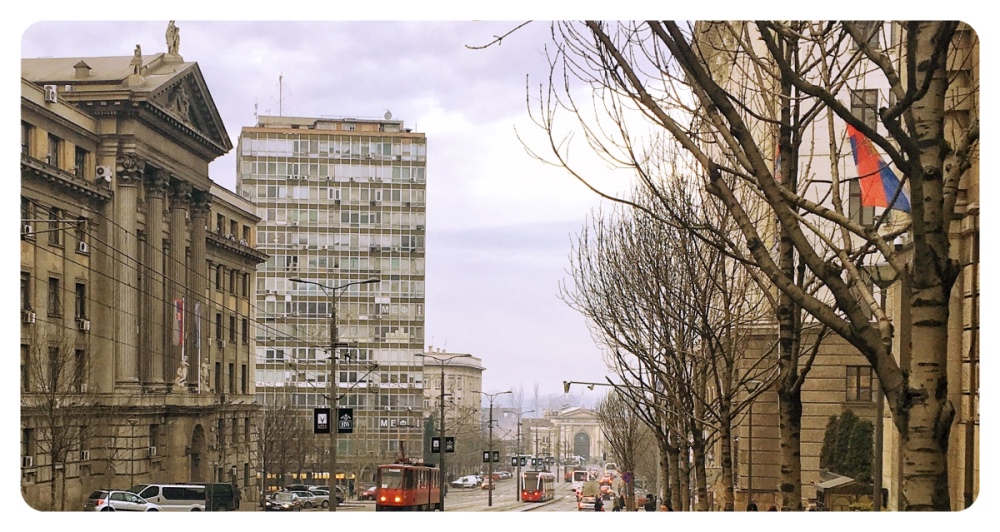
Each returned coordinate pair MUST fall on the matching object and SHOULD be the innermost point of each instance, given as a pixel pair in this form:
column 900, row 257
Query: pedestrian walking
column 616, row 503
column 773, row 508
column 599, row 504
column 751, row 506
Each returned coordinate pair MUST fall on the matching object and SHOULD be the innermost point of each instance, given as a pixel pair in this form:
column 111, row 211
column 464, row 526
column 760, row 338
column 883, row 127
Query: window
column 220, row 432
column 218, row 377
column 79, row 369
column 246, row 429
column 233, row 226
column 232, row 378
column 869, row 29
column 55, row 235
column 26, row 130
column 28, row 442
column 55, row 367
column 25, row 210
column 55, row 301
column 25, row 291
column 52, row 157
column 26, row 367
column 864, row 105
column 81, row 301
column 154, row 433
column 218, row 277
column 246, row 233
column 218, row 326
column 79, row 162
column 245, row 285
column 232, row 329
column 859, row 383
column 232, row 281
column 220, row 222
column 245, row 330
column 81, row 233
column 243, row 382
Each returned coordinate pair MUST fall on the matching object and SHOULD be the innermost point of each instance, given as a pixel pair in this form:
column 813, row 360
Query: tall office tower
column 341, row 200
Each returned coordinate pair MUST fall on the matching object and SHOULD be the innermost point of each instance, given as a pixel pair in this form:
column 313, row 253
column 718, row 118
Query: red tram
column 407, row 487
column 538, row 486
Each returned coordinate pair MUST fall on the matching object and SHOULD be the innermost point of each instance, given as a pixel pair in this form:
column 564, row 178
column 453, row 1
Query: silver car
column 118, row 501
column 308, row 498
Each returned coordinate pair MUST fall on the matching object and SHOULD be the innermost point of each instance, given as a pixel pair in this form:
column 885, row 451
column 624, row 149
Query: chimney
column 82, row 70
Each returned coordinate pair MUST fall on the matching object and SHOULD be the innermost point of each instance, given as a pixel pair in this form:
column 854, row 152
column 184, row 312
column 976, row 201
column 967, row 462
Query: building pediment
column 174, row 91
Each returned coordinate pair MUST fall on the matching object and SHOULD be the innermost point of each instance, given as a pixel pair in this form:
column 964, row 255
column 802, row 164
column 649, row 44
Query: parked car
column 468, row 481
column 488, row 484
column 296, row 487
column 309, row 499
column 368, row 494
column 118, row 501
column 284, row 501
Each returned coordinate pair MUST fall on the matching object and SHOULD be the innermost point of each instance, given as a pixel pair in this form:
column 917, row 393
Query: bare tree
column 729, row 93
column 624, row 431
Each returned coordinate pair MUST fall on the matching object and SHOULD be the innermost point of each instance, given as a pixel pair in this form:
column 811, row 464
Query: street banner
column 435, row 444
column 321, row 420
column 486, row 456
column 449, row 444
column 496, row 456
column 345, row 421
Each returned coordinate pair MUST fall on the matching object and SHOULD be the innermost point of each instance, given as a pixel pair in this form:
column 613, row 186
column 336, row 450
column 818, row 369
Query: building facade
column 341, row 201
column 120, row 383
column 462, row 377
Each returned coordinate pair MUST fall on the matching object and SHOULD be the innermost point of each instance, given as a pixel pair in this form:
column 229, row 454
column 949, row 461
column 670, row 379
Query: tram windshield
column 391, row 478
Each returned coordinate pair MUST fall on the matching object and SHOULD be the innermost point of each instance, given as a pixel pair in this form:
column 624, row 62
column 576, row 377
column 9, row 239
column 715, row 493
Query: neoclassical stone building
column 136, row 272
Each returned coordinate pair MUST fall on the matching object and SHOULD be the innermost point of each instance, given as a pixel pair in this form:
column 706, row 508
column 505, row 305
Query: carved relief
column 157, row 182
column 180, row 194
column 129, row 169
column 201, row 204
column 180, row 103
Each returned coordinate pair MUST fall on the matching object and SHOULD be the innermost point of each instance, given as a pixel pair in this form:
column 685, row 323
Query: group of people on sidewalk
column 618, row 504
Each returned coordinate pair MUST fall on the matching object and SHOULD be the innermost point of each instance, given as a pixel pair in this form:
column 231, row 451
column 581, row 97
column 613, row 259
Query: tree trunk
column 664, row 472
column 726, row 440
column 790, row 419
column 675, row 477
column 701, row 478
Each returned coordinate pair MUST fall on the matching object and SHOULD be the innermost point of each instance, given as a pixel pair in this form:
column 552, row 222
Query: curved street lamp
column 442, row 361
column 331, row 292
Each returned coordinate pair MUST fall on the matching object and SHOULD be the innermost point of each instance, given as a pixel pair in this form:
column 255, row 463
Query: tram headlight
column 398, row 499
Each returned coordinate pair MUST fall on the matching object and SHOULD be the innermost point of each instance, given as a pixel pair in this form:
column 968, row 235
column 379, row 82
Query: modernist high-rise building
column 341, row 200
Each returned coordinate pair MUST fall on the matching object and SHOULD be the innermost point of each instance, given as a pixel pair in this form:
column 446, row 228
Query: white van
column 173, row 497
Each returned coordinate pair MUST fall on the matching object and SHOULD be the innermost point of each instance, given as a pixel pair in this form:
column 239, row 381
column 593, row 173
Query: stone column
column 128, row 174
column 180, row 197
column 199, row 370
column 159, row 322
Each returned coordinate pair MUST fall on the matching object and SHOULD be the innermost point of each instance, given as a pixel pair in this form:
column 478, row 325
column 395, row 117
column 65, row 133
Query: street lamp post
column 442, row 361
column 331, row 292
column 489, row 466
column 751, row 387
column 518, row 483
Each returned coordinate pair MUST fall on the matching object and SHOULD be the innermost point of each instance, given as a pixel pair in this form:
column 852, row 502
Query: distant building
column 136, row 336
column 463, row 384
column 341, row 200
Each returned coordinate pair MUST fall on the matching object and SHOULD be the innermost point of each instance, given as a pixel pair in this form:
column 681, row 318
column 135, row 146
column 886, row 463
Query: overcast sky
column 499, row 223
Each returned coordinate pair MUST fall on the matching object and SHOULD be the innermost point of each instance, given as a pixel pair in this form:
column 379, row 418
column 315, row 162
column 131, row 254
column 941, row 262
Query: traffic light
column 565, row 386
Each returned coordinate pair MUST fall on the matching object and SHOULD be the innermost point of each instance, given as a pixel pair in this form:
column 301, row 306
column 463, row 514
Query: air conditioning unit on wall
column 51, row 95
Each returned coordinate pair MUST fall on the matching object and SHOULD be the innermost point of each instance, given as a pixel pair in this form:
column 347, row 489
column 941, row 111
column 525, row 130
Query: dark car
column 368, row 494
column 283, row 501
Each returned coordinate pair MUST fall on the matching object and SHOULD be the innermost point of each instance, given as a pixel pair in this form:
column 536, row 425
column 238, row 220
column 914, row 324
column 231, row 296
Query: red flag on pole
column 178, row 336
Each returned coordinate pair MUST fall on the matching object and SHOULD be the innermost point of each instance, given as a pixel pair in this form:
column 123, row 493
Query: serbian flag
column 178, row 308
column 878, row 183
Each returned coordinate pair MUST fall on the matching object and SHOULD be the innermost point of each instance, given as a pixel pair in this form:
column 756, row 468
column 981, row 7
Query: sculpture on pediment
column 173, row 38
column 137, row 60
column 180, row 102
